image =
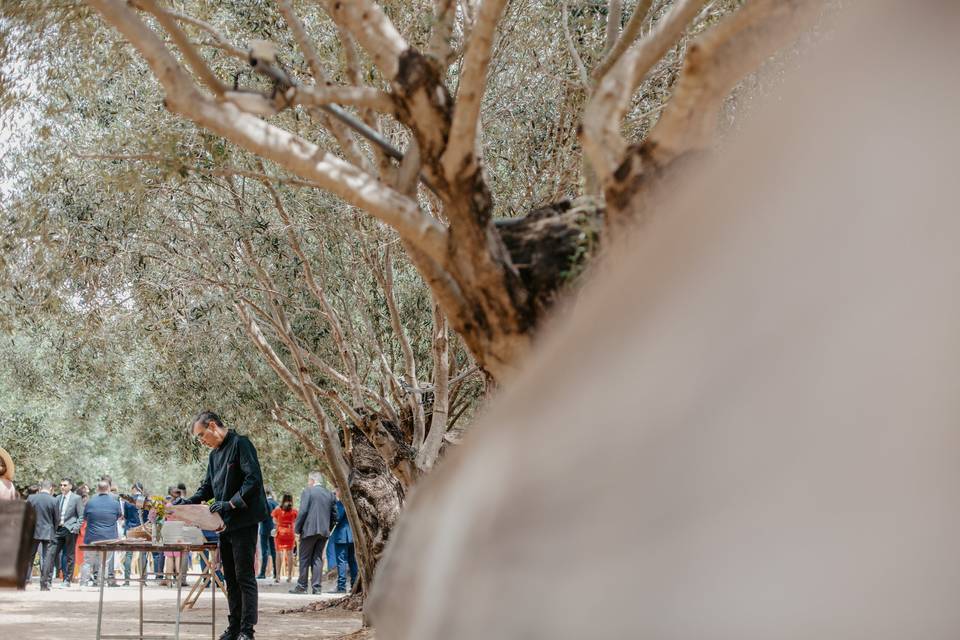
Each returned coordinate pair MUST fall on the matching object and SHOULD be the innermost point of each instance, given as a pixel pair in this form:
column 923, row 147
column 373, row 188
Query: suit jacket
column 73, row 517
column 342, row 534
column 45, row 506
column 318, row 512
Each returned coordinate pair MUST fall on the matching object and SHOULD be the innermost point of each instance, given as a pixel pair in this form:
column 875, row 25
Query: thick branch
column 601, row 137
column 614, row 15
column 716, row 62
column 371, row 27
column 366, row 97
column 444, row 15
column 466, row 114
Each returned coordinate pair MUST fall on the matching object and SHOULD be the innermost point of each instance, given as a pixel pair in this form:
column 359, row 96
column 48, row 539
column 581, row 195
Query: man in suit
column 101, row 514
column 68, row 519
column 45, row 506
column 318, row 513
column 235, row 483
column 342, row 541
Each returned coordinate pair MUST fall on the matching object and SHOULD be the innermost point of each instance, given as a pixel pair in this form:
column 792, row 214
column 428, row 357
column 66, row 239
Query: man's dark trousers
column 311, row 559
column 44, row 547
column 238, row 550
column 67, row 542
column 268, row 550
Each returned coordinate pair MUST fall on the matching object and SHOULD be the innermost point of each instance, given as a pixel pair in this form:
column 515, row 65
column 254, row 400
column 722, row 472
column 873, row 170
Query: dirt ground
column 72, row 613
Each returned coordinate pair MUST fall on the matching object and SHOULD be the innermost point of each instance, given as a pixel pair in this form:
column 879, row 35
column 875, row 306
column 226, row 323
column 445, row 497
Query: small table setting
column 179, row 533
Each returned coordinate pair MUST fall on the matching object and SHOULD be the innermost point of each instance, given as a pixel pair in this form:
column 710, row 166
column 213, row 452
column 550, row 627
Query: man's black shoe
column 229, row 634
column 297, row 590
column 316, row 590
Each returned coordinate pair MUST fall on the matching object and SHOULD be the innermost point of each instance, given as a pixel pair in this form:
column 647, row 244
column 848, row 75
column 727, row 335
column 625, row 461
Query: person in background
column 342, row 539
column 69, row 518
column 285, row 517
column 171, row 559
column 133, row 517
column 182, row 488
column 45, row 507
column 118, row 526
column 268, row 547
column 84, row 492
column 101, row 515
column 318, row 513
column 7, row 490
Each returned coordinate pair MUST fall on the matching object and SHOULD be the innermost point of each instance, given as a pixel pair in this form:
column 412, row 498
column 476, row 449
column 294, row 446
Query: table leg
column 103, row 571
column 143, row 579
column 181, row 568
column 213, row 598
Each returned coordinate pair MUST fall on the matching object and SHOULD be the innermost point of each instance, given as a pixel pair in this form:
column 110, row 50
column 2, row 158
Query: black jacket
column 45, row 506
column 233, row 474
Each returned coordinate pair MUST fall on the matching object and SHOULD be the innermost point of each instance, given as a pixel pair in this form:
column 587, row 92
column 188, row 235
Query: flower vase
column 156, row 533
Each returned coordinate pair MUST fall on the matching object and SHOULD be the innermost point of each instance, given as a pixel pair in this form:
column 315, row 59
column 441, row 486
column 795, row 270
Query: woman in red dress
column 284, row 516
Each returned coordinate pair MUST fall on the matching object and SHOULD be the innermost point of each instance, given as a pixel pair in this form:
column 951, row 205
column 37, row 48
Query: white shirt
column 63, row 505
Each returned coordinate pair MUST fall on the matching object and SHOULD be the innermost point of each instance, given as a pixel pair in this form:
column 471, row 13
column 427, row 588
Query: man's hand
column 221, row 507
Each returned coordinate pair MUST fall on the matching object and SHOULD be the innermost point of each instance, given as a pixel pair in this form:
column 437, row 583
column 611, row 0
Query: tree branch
column 366, row 97
column 428, row 452
column 444, row 15
column 630, row 33
column 466, row 114
column 193, row 58
column 371, row 27
column 716, row 62
column 577, row 61
column 614, row 15
column 601, row 136
column 292, row 152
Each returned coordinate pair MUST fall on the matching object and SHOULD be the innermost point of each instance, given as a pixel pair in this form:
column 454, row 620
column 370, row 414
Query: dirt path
column 72, row 614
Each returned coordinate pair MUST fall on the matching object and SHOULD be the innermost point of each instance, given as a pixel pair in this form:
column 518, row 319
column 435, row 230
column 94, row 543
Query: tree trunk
column 377, row 494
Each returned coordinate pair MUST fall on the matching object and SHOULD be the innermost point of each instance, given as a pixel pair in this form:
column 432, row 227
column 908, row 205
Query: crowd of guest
column 294, row 540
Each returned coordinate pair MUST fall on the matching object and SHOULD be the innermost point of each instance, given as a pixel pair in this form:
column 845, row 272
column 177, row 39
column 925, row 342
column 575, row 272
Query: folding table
column 111, row 546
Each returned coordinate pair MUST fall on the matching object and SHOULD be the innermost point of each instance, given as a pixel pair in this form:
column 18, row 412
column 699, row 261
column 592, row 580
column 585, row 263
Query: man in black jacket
column 45, row 506
column 235, row 484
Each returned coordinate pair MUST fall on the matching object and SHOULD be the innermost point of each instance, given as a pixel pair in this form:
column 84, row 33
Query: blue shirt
column 101, row 514
column 267, row 524
column 131, row 519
